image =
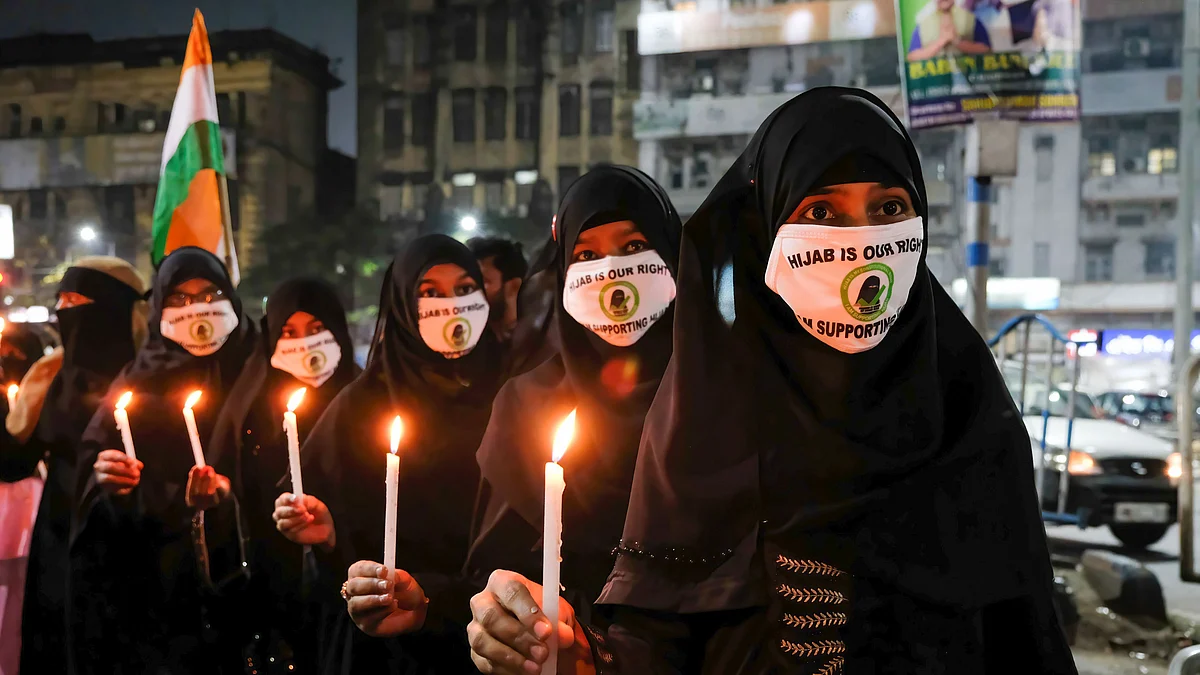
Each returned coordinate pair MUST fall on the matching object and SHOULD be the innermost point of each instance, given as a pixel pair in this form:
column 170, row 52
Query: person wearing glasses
column 141, row 559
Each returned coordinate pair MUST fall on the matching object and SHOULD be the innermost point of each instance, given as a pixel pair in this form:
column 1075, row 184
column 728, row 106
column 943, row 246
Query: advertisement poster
column 1014, row 59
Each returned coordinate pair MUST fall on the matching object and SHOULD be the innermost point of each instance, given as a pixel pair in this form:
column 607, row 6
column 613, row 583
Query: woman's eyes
column 428, row 292
column 818, row 212
column 584, row 256
column 288, row 333
column 893, row 207
column 636, row 246
column 465, row 289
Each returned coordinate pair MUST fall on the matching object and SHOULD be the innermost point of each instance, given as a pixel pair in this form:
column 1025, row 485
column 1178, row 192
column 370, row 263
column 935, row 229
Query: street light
column 468, row 223
column 87, row 233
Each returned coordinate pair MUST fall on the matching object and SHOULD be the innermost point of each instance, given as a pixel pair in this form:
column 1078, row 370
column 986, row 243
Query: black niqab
column 611, row 387
column 908, row 463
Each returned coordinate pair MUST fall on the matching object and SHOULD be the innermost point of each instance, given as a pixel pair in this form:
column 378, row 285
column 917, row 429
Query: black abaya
column 611, row 387
column 134, row 563
column 878, row 507
column 444, row 404
column 249, row 445
column 98, row 341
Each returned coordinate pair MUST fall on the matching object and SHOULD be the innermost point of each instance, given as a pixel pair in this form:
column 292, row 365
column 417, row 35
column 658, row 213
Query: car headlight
column 1074, row 462
column 1175, row 466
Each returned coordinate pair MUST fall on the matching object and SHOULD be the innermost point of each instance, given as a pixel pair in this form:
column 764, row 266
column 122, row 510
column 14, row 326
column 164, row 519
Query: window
column 529, row 42
column 528, row 105
column 424, row 117
column 120, row 115
column 568, row 110
column 14, row 119
column 146, row 119
column 393, row 41
column 495, row 114
column 1131, row 218
column 466, row 37
column 241, row 110
column 224, row 110
column 1160, row 259
column 37, row 204
column 493, row 196
column 633, row 60
column 601, row 104
column 391, row 200
column 422, row 46
column 118, row 206
column 101, row 117
column 1098, row 262
column 675, row 173
column 462, row 197
column 572, row 32
column 602, row 22
column 35, row 125
column 1102, row 160
column 566, row 176
column 60, row 206
column 60, row 124
column 1044, row 148
column 1162, row 158
column 1041, row 259
column 463, row 103
column 393, row 123
column 496, row 33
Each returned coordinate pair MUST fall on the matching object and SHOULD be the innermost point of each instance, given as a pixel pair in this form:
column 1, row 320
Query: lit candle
column 393, row 485
column 122, row 418
column 12, row 396
column 552, row 537
column 293, row 440
column 190, row 418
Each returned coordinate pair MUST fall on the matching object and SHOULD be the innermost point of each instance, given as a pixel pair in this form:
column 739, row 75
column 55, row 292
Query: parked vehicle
column 1151, row 412
column 1117, row 475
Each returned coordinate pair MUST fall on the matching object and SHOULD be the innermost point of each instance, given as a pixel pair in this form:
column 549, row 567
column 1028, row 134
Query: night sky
column 325, row 24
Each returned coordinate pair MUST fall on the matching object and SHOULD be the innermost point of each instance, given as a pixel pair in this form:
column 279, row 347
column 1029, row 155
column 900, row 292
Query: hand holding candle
column 122, row 418
column 393, row 485
column 13, row 390
column 293, row 441
column 552, row 536
column 189, row 418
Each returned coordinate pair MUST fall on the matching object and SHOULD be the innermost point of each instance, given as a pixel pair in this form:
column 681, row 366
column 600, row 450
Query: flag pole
column 227, row 226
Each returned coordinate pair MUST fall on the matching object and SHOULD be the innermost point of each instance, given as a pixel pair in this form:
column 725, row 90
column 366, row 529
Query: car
column 1117, row 475
column 1153, row 412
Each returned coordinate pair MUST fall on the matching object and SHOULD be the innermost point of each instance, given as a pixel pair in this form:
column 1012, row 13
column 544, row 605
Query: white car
column 1117, row 475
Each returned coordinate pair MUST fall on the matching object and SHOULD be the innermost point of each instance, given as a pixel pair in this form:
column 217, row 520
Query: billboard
column 1015, row 59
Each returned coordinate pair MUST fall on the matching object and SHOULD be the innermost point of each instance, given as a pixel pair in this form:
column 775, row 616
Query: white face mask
column 312, row 359
column 846, row 285
column 452, row 326
column 200, row 328
column 619, row 297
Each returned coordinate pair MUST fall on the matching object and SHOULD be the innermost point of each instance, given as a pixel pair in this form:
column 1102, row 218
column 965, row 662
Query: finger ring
column 346, row 591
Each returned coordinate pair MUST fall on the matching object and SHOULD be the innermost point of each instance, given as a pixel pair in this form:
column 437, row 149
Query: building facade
column 484, row 108
column 81, row 134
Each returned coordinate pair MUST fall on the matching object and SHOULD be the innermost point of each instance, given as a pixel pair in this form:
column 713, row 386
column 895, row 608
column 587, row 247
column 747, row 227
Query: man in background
column 504, row 267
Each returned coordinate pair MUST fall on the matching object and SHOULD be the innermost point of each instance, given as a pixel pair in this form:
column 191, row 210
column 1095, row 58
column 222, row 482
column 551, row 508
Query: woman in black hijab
column 859, row 497
column 102, row 320
column 617, row 239
column 137, row 541
column 305, row 343
column 436, row 366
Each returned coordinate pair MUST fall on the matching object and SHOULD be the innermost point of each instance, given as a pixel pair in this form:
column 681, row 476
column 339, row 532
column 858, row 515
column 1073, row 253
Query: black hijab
column 908, row 462
column 27, row 347
column 533, row 340
column 611, row 386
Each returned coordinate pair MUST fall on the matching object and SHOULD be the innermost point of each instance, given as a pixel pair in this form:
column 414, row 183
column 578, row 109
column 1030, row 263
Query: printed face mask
column 200, row 328
column 312, row 359
column 846, row 285
column 452, row 326
column 619, row 297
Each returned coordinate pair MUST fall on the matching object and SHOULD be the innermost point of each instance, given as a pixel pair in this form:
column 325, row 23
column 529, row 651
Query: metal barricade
column 1186, row 662
column 1056, row 345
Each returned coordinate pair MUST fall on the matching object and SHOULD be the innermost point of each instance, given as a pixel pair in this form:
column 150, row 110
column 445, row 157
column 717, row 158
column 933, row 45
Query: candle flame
column 13, row 389
column 564, row 436
column 191, row 400
column 397, row 431
column 294, row 401
column 124, row 400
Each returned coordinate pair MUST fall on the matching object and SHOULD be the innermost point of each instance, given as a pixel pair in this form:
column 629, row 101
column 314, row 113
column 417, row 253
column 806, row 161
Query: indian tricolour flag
column 191, row 208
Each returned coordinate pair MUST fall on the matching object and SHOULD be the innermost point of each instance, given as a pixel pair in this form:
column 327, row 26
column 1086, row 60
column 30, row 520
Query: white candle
column 393, row 486
column 122, row 418
column 12, row 396
column 293, row 441
column 193, row 434
column 552, row 538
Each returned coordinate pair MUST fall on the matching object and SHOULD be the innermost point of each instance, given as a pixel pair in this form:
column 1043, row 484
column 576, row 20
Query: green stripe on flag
column 200, row 148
